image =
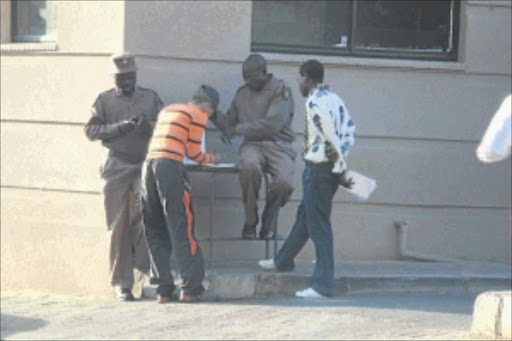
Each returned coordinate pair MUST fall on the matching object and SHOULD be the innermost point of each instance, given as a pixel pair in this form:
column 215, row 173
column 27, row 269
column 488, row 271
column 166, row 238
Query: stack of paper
column 363, row 185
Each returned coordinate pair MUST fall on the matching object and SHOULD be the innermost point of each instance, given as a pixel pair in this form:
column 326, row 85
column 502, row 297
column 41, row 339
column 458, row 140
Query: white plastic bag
column 495, row 145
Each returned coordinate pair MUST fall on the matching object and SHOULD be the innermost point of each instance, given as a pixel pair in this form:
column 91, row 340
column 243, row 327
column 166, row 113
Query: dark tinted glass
column 34, row 20
column 300, row 23
column 417, row 25
column 378, row 28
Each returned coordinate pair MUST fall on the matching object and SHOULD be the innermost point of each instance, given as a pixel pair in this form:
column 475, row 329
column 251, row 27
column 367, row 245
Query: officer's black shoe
column 269, row 235
column 124, row 294
column 249, row 232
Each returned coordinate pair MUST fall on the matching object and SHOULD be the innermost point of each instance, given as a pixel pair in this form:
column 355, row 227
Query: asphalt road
column 31, row 315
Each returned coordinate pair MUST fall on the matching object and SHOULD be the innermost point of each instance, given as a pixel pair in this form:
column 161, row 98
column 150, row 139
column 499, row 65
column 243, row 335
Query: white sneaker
column 309, row 293
column 267, row 264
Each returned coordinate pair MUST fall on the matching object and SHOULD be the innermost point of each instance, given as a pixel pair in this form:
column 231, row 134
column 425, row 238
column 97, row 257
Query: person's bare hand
column 331, row 152
column 344, row 181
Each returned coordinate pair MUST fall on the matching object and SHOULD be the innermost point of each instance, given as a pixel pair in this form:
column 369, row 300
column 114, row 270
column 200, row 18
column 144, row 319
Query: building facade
column 421, row 102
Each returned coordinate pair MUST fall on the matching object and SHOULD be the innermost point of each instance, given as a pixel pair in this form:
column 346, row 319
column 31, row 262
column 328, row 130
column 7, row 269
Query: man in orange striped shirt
column 167, row 204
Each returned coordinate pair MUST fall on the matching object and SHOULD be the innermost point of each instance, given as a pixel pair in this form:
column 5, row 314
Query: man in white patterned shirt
column 329, row 135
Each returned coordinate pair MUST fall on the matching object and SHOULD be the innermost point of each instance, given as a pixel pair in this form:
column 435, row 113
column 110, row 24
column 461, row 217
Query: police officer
column 261, row 112
column 123, row 119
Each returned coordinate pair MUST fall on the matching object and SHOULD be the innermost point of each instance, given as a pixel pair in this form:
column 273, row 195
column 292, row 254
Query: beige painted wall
column 488, row 37
column 86, row 27
column 419, row 124
column 205, row 30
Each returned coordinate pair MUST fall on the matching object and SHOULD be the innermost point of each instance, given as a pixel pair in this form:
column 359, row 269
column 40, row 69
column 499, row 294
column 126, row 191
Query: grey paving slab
column 33, row 315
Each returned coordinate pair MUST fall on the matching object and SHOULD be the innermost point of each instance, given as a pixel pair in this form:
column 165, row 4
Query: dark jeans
column 313, row 220
column 169, row 224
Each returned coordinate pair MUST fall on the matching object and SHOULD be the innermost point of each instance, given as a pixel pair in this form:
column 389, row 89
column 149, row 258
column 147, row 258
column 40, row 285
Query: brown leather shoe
column 160, row 299
column 191, row 298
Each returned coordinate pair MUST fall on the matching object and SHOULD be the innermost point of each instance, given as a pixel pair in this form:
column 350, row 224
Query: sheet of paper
column 363, row 185
column 220, row 165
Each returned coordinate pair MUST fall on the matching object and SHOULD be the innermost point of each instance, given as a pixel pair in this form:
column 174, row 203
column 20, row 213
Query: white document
column 363, row 185
column 187, row 161
column 495, row 145
column 220, row 165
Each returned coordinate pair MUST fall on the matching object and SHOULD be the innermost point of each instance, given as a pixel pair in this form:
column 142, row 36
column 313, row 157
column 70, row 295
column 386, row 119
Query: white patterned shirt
column 327, row 121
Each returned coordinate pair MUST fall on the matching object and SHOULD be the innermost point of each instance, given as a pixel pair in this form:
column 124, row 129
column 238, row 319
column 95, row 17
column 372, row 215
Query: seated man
column 261, row 112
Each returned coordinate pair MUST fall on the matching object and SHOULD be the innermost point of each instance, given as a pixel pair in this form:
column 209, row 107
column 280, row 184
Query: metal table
column 215, row 171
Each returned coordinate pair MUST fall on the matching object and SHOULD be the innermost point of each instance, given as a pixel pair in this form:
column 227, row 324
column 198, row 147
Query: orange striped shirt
column 179, row 130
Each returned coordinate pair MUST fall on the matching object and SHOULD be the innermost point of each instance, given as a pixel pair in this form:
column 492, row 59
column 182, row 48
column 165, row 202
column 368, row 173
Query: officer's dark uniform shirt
column 264, row 115
column 111, row 108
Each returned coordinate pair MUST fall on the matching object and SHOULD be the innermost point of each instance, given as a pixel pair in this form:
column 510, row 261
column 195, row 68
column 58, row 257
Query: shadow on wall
column 12, row 324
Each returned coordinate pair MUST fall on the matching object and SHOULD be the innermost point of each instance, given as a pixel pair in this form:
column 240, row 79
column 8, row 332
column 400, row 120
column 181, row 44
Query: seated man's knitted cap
column 206, row 92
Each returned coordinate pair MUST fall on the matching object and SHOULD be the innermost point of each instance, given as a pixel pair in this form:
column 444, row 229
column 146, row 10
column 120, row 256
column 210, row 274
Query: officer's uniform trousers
column 256, row 159
column 123, row 208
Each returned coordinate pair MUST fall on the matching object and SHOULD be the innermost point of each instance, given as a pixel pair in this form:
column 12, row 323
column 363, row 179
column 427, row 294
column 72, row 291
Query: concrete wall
column 87, row 27
column 418, row 122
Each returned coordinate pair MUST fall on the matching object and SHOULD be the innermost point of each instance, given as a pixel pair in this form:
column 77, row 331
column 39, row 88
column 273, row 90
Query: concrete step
column 247, row 281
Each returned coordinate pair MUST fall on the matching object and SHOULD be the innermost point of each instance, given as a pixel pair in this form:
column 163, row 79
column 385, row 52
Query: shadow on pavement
column 12, row 324
column 454, row 303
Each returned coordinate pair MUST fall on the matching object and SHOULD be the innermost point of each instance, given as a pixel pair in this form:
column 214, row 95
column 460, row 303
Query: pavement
column 387, row 300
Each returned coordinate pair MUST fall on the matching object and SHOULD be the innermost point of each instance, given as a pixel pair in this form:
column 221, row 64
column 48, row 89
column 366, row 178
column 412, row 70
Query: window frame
column 351, row 51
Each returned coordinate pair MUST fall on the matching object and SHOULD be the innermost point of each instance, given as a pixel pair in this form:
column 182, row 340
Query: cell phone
column 135, row 119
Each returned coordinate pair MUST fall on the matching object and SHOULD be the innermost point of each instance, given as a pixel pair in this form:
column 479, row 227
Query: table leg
column 212, row 197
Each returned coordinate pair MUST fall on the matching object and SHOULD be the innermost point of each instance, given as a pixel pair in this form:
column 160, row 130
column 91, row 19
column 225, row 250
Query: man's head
column 125, row 72
column 311, row 73
column 207, row 99
column 254, row 71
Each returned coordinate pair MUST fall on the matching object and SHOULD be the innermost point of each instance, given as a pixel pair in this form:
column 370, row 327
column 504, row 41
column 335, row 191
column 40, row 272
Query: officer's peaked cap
column 123, row 62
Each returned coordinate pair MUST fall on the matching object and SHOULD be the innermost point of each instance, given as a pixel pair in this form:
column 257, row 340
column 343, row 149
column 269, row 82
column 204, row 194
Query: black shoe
column 124, row 294
column 270, row 235
column 249, row 232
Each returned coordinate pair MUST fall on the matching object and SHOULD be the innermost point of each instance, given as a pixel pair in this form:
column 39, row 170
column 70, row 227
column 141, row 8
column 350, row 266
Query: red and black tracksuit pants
column 169, row 226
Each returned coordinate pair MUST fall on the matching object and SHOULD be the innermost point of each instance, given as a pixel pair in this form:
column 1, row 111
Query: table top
column 212, row 168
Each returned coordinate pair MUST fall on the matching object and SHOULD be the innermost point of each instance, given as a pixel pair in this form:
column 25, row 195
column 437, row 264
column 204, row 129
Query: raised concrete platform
column 247, row 281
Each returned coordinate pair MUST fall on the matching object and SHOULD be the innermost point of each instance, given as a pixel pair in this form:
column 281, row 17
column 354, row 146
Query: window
column 378, row 28
column 34, row 20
